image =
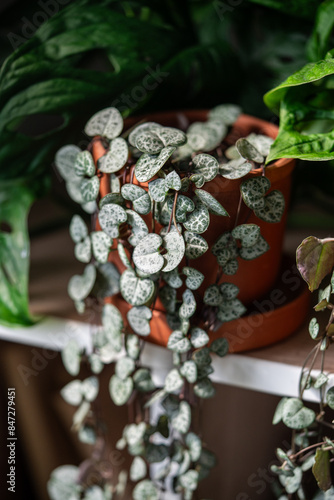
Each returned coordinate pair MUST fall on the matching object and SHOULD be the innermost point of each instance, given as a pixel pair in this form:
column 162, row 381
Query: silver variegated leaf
column 198, row 337
column 136, row 291
column 71, row 393
column 175, row 246
column 90, row 207
column 145, row 490
column 138, row 227
column 202, row 357
column 63, row 483
column 227, row 113
column 173, row 381
column 248, row 234
column 124, row 367
column 65, row 160
column 182, row 420
column 198, row 221
column 107, row 122
column 172, row 278
column 258, row 249
column 198, row 180
column 84, row 164
column 235, row 169
column 210, row 202
column 146, row 254
column 189, row 480
column 71, row 357
column 171, row 136
column 143, row 380
column 196, row 245
column 120, row 390
column 204, row 388
column 116, row 198
column 90, row 388
column 112, row 319
column 194, row 444
column 295, row 415
column 82, row 250
column 177, row 342
column 139, row 197
column 194, row 278
column 212, row 296
column 156, row 452
column 115, row 158
column 78, row 229
column 148, row 142
column 101, row 244
column 73, row 188
column 248, row 151
column 167, row 296
column 173, row 181
column 158, row 190
column 140, row 129
column 183, row 205
column 115, row 184
column 188, row 306
column 138, row 469
column 110, row 217
column 253, row 192
column 90, row 189
column 206, row 165
column 273, row 209
column 228, row 291
column 189, row 371
column 132, row 346
column 139, row 319
column 149, row 165
column 261, row 142
column 219, row 347
column 230, row 309
column 79, row 287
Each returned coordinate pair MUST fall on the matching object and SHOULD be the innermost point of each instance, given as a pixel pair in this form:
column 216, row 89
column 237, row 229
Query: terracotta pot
column 254, row 278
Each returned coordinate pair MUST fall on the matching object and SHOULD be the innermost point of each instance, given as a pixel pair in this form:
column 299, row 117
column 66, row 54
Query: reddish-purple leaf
column 315, row 259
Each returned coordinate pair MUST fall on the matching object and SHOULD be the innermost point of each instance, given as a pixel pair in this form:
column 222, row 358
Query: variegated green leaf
column 139, row 197
column 143, row 380
column 139, row 319
column 82, row 250
column 115, row 184
column 248, row 234
column 194, row 278
column 124, row 367
column 84, row 164
column 107, row 122
column 194, row 444
column 235, row 169
column 120, row 390
column 273, row 209
column 71, row 357
column 189, row 480
column 149, row 165
column 158, row 190
column 204, row 389
column 132, row 346
column 295, row 415
column 112, row 319
column 261, row 142
column 189, row 371
column 211, row 203
column 219, row 347
column 138, row 227
column 248, row 151
column 78, row 229
column 145, row 490
column 198, row 221
column 188, row 306
column 173, row 181
column 79, row 287
column 138, row 469
column 212, row 296
column 182, row 420
column 227, row 113
column 170, row 136
column 258, row 249
column 110, row 217
column 198, row 337
column 202, row 357
column 115, row 158
column 253, row 192
column 101, row 244
column 229, row 310
column 173, row 381
column 65, row 160
column 314, row 328
column 148, row 142
column 90, row 189
column 167, row 296
column 136, row 291
column 229, row 291
column 183, row 205
column 172, row 278
column 146, row 254
column 175, row 246
column 116, row 198
column 178, row 342
column 198, row 180
column 196, row 245
column 206, row 165
column 73, row 188
column 71, row 393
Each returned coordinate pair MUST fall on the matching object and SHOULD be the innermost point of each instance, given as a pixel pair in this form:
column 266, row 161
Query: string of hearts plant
column 153, row 223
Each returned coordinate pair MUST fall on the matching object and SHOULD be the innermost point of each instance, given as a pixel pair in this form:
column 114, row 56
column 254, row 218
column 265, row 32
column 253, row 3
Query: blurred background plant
column 63, row 60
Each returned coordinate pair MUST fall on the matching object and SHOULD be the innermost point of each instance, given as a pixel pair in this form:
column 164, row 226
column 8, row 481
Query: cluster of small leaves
column 155, row 222
column 313, row 449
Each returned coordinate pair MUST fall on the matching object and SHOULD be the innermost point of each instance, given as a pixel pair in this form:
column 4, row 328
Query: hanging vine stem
column 315, row 350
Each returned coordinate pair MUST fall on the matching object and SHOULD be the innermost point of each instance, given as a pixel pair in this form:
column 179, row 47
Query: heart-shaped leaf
column 167, row 296
column 229, row 310
column 115, row 184
column 101, row 244
column 71, row 393
column 248, row 151
column 172, row 278
column 258, row 249
column 107, row 122
column 63, row 483
column 273, row 209
column 210, row 202
column 84, row 164
column 110, row 217
column 65, row 159
column 292, row 483
column 139, row 319
column 112, row 319
column 148, row 142
column 82, row 250
column 261, row 142
column 198, row 337
column 228, row 291
column 212, row 296
column 219, row 347
column 227, row 113
column 206, row 165
column 173, row 181
column 248, row 234
column 136, row 291
column 313, row 328
column 204, row 388
column 145, row 490
column 189, row 480
column 149, row 165
column 138, row 226
column 253, row 192
column 120, row 390
column 175, row 246
column 143, row 380
column 115, row 158
column 132, row 346
column 71, row 357
column 198, row 180
column 194, row 278
column 158, row 190
column 196, row 245
column 194, row 444
column 296, row 416
column 189, row 371
column 138, row 469
column 235, row 169
column 177, row 342
column 188, row 306
column 139, row 197
column 198, row 221
column 183, row 205
column 202, row 357
column 90, row 188
column 146, row 254
column 182, row 420
column 78, row 229
column 173, row 381
column 170, row 136
column 315, row 259
column 79, row 287
column 124, row 367
column 330, row 397
column 90, row 388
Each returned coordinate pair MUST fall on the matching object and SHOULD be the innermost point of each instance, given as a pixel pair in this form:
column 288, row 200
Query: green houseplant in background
column 150, row 188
